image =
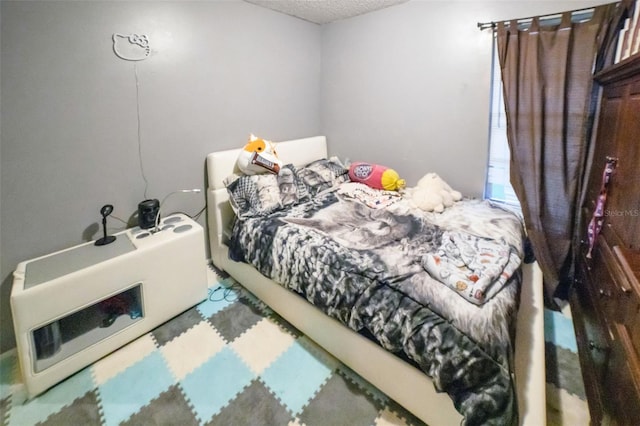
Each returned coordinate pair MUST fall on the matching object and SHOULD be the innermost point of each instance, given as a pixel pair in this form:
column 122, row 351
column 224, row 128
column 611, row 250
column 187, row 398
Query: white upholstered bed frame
column 399, row 380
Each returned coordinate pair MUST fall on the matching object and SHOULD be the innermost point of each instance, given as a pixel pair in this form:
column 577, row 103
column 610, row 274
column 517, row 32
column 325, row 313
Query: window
column 497, row 185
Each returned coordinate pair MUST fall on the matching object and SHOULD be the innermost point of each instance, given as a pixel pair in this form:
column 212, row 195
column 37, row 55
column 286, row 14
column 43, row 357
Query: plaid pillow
column 323, row 174
column 260, row 195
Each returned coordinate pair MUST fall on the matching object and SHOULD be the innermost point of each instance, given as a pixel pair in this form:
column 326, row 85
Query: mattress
column 439, row 290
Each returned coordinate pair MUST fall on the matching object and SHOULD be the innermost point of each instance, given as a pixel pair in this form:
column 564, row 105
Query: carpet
column 228, row 361
column 566, row 399
column 232, row 361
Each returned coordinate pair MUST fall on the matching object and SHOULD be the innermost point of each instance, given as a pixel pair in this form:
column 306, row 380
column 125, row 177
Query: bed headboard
column 223, row 163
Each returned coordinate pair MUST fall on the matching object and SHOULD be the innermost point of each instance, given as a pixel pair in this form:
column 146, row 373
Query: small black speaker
column 148, row 212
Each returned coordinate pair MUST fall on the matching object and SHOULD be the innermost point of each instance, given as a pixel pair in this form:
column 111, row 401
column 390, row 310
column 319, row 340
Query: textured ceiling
column 325, row 11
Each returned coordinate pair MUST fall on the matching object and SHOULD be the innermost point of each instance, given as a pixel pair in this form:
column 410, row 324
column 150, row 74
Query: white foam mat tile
column 389, row 418
column 181, row 354
column 565, row 409
column 120, row 360
column 262, row 344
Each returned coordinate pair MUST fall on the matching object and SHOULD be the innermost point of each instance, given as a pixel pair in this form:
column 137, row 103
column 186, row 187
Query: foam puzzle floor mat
column 228, row 361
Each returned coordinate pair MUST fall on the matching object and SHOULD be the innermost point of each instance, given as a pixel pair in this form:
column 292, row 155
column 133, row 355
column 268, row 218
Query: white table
column 59, row 301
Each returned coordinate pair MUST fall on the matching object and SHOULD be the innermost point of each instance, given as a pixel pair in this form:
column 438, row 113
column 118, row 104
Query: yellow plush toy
column 258, row 156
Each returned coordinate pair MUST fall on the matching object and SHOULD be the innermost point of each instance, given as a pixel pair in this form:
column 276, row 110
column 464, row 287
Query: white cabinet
column 72, row 307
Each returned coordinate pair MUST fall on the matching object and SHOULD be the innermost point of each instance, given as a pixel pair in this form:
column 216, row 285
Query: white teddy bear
column 432, row 194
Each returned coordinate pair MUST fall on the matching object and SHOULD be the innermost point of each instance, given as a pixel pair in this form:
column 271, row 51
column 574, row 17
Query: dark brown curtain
column 547, row 74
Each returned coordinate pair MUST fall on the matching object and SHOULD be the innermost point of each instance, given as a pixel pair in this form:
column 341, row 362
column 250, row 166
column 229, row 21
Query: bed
column 514, row 391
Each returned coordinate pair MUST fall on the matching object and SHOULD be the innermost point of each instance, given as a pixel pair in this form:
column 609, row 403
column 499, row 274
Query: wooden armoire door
column 605, row 299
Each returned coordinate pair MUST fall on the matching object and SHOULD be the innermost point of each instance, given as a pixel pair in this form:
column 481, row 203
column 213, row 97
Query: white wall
column 408, row 86
column 218, row 70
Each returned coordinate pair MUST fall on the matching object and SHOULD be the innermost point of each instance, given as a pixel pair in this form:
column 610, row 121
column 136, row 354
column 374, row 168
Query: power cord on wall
column 121, row 228
column 144, row 176
column 157, row 220
column 194, row 217
column 197, row 215
column 136, row 47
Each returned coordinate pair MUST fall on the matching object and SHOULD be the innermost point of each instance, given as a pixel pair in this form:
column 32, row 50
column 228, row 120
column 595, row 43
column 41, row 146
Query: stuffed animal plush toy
column 258, row 156
column 433, row 194
column 376, row 176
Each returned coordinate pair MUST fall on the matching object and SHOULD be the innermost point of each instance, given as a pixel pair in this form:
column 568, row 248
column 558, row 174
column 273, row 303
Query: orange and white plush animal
column 258, row 156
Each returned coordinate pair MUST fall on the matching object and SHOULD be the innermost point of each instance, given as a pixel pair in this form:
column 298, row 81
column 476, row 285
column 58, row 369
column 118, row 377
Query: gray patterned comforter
column 368, row 268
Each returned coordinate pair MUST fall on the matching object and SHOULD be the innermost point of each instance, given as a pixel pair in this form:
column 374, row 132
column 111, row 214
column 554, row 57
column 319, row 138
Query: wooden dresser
column 605, row 299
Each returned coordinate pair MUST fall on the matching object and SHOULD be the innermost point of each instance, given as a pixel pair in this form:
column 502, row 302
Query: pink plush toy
column 376, row 176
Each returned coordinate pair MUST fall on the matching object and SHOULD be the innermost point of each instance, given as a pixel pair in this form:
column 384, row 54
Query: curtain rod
column 485, row 25
column 589, row 11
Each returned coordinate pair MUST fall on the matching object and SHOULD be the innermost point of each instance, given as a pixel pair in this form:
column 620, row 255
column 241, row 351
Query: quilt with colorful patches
column 405, row 278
